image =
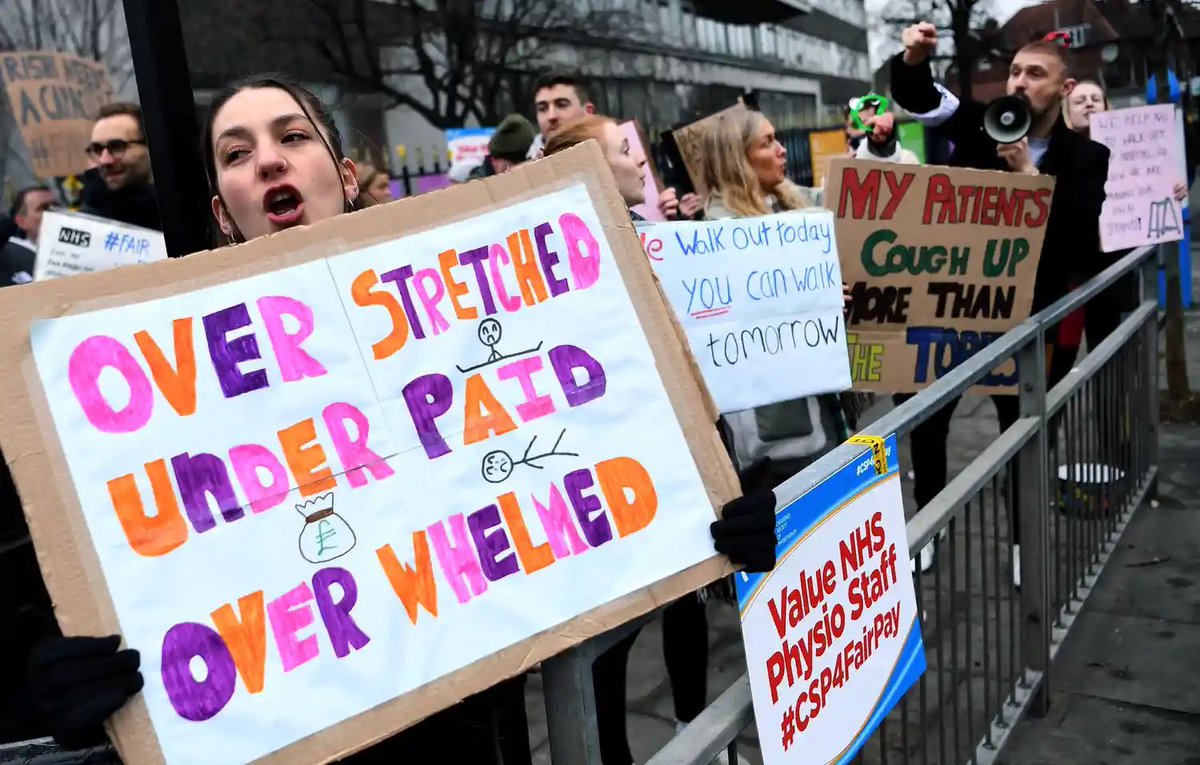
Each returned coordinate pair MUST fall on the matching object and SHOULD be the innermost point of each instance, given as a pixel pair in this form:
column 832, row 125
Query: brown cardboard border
column 69, row 562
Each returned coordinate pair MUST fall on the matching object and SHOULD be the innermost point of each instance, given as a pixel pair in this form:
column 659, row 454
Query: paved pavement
column 1125, row 689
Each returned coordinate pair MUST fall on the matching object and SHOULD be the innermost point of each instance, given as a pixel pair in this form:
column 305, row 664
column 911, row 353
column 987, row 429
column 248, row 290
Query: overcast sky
column 882, row 47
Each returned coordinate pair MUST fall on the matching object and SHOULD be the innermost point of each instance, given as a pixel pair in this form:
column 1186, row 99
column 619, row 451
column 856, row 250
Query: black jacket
column 136, row 205
column 1078, row 164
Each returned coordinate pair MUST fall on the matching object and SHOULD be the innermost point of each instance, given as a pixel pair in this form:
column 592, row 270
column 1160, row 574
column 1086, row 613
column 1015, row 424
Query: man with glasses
column 119, row 186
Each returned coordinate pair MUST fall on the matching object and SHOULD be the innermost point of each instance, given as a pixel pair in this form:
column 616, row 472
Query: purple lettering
column 587, row 507
column 399, row 277
column 428, row 397
column 475, row 259
column 199, row 475
column 490, row 546
column 226, row 354
column 197, row 700
column 549, row 260
column 566, row 359
column 344, row 634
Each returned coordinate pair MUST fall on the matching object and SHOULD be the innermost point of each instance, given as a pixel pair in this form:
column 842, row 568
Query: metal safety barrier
column 1085, row 452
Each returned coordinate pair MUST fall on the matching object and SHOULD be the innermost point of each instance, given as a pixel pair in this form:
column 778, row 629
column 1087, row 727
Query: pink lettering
column 294, row 362
column 88, row 360
column 458, row 560
column 290, row 613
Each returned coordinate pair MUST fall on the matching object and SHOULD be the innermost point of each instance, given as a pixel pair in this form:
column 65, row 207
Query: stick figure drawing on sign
column 489, row 333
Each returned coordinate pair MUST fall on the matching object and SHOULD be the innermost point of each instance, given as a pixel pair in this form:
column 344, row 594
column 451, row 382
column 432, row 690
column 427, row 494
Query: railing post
column 1033, row 500
column 571, row 707
column 1149, row 272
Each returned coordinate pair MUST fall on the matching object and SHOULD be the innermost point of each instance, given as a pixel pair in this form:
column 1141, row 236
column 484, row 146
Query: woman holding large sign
column 275, row 161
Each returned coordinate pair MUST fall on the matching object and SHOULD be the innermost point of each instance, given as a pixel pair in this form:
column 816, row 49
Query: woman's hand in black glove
column 746, row 531
column 79, row 682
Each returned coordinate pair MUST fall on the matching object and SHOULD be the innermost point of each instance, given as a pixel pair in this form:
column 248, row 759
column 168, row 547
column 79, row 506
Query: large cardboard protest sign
column 761, row 302
column 1145, row 155
column 832, row 635
column 941, row 261
column 333, row 480
column 54, row 98
column 74, row 243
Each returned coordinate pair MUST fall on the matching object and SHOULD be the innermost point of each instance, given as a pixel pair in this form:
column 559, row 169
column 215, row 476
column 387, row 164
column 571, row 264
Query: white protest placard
column 319, row 488
column 832, row 635
column 1143, row 168
column 73, row 243
column 761, row 302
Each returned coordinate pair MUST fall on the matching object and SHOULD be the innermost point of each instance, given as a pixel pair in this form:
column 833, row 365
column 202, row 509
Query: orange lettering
column 178, row 383
column 524, row 260
column 149, row 535
column 304, row 460
column 476, row 425
column 533, row 558
column 448, row 260
column 615, row 477
column 246, row 638
column 412, row 587
column 361, row 291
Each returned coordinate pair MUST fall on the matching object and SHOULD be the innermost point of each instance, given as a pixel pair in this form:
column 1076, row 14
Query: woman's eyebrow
column 276, row 124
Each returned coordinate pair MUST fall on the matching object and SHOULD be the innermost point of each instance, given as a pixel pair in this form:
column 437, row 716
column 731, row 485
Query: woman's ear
column 222, row 217
column 349, row 179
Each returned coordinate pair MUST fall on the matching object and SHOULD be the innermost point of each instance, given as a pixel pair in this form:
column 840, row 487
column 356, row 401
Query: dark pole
column 165, row 89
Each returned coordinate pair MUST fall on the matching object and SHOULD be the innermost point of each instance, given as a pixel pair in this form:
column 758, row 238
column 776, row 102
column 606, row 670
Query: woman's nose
column 270, row 162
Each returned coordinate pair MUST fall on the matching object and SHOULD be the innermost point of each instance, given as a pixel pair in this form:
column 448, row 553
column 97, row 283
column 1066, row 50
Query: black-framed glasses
column 116, row 147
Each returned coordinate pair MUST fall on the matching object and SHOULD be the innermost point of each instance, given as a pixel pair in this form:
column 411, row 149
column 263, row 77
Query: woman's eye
column 233, row 155
column 295, row 136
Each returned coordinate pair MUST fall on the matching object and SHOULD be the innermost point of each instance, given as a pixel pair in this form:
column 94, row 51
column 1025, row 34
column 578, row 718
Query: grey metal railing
column 1085, row 452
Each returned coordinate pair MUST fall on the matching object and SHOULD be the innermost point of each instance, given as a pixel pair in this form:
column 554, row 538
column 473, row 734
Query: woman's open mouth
column 284, row 205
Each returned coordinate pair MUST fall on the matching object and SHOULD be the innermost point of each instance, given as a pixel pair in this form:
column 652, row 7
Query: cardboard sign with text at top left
column 336, row 479
column 940, row 261
column 54, row 98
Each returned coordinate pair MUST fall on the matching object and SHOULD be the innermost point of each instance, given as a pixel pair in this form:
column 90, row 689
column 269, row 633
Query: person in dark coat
column 120, row 186
column 1039, row 74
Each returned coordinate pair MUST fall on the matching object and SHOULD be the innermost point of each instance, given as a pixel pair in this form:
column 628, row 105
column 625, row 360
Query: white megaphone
column 1007, row 119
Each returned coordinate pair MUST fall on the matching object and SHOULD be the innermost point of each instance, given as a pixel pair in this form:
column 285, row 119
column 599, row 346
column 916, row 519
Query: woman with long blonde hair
column 745, row 169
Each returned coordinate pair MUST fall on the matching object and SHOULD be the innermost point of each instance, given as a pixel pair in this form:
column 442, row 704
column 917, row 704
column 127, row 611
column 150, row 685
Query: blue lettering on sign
column 946, row 349
column 805, row 231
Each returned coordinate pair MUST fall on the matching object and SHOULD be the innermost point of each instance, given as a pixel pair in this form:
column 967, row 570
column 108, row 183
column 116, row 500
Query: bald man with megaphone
column 1039, row 78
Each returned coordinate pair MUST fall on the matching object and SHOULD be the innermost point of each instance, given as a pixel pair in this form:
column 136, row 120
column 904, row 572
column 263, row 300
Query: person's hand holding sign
column 1181, row 191
column 668, row 203
column 1017, row 156
column 919, row 41
column 691, row 204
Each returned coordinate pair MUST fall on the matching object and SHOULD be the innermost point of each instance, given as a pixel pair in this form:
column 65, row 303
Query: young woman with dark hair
column 275, row 160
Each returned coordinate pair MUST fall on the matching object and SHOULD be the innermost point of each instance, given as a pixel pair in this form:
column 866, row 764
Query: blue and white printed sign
column 832, row 636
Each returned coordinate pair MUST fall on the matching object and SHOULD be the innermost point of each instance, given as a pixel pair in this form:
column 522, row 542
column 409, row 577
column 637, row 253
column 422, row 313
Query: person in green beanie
column 508, row 147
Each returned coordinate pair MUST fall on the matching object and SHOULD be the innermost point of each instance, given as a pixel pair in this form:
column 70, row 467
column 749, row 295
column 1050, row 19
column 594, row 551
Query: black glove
column 79, row 682
column 746, row 531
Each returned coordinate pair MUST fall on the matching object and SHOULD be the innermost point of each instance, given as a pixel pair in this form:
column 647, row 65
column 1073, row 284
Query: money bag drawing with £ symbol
column 325, row 535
